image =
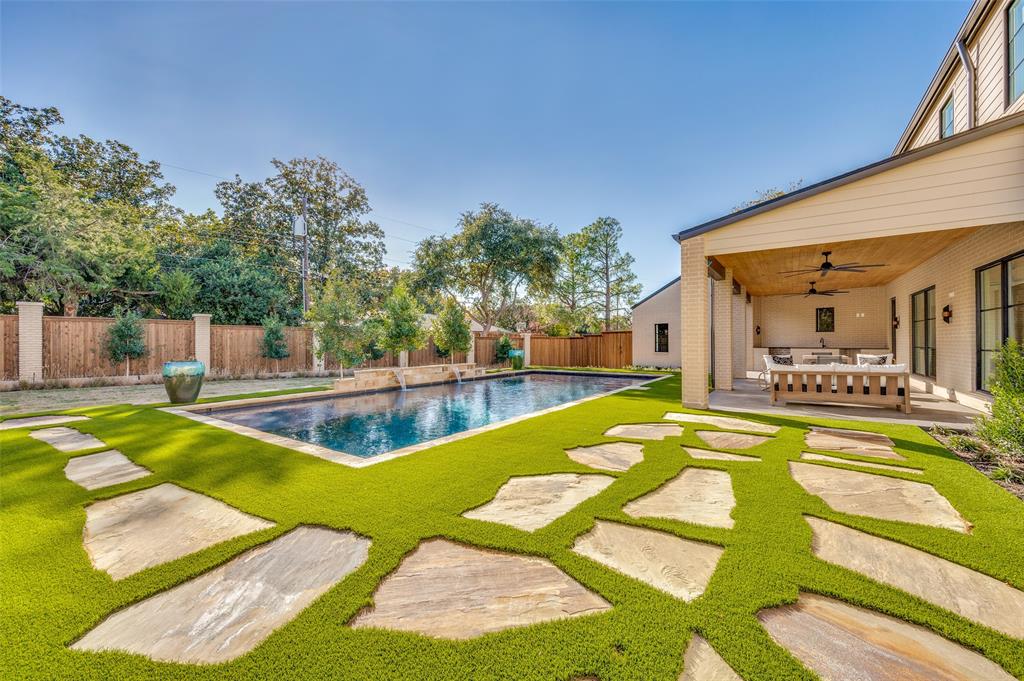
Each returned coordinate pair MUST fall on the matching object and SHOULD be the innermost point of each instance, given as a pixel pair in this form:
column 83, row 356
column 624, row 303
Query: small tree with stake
column 125, row 340
column 338, row 320
column 503, row 348
column 450, row 330
column 402, row 322
column 274, row 345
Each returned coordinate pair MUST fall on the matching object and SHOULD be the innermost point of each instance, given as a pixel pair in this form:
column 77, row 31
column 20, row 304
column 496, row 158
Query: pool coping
column 190, row 411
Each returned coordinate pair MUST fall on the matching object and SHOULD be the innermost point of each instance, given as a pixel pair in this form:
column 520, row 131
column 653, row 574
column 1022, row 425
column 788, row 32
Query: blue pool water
column 367, row 425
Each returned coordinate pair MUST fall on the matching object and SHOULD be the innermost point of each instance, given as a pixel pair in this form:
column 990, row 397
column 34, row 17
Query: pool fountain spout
column 401, row 379
column 458, row 374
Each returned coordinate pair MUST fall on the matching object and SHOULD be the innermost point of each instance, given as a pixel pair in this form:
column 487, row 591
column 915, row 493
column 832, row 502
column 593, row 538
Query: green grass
column 52, row 595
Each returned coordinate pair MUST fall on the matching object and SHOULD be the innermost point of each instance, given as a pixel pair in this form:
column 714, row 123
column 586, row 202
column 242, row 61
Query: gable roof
column 655, row 293
column 925, row 151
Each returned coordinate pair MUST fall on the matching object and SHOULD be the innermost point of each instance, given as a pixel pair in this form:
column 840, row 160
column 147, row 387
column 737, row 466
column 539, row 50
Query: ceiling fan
column 827, row 266
column 815, row 292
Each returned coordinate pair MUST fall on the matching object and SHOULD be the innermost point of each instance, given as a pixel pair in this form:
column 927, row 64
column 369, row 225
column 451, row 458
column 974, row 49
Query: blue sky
column 662, row 115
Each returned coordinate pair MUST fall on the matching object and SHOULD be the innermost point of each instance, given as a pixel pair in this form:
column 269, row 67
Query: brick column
column 202, row 333
column 693, row 269
column 526, row 350
column 721, row 322
column 471, row 355
column 403, row 358
column 318, row 362
column 740, row 333
column 30, row 342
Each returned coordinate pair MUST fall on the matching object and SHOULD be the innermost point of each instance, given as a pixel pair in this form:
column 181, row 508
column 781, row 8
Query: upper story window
column 1015, row 50
column 661, row 337
column 946, row 117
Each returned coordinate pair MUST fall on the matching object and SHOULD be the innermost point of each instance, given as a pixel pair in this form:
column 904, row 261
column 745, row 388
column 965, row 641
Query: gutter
column 965, row 59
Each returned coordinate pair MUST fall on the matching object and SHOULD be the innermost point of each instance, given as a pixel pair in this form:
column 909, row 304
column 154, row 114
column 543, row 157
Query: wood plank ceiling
column 760, row 271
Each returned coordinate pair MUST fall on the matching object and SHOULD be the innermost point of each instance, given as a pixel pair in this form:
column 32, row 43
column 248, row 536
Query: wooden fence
column 610, row 349
column 73, row 347
column 9, row 347
column 235, row 351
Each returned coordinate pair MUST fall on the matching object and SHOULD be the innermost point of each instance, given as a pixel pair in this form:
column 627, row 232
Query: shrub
column 963, row 443
column 274, row 345
column 125, row 339
column 1004, row 429
column 502, row 348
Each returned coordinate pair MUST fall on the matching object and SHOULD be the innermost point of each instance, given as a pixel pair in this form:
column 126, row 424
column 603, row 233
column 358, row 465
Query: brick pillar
column 318, row 361
column 721, row 322
column 526, row 350
column 202, row 333
column 403, row 358
column 471, row 355
column 693, row 269
column 30, row 342
column 740, row 333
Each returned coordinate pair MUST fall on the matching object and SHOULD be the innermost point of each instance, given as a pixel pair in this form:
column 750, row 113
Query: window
column 1015, row 50
column 922, row 306
column 661, row 337
column 946, row 119
column 1000, row 294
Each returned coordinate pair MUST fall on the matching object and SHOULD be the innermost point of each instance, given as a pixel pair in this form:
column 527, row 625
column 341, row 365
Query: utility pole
column 301, row 229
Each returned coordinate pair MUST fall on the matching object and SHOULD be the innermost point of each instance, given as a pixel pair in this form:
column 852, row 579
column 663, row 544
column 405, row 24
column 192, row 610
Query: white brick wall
column 862, row 319
column 694, row 349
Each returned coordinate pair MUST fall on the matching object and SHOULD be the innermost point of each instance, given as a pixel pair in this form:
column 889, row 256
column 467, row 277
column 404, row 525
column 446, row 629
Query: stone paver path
column 32, row 421
column 811, row 456
column 971, row 594
column 723, row 440
column 841, row 642
column 612, row 456
column 67, row 439
column 726, row 422
column 533, row 501
column 679, row 567
column 141, row 529
column 718, row 456
column 94, row 471
column 229, row 610
column 447, row 590
column 852, row 442
column 702, row 663
column 645, row 431
column 697, row 495
column 878, row 496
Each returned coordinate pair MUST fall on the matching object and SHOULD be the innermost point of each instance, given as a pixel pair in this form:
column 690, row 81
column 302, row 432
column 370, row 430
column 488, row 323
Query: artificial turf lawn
column 52, row 595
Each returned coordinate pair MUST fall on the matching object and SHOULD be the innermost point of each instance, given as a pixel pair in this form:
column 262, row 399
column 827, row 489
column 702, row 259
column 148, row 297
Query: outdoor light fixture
column 896, row 322
column 947, row 314
column 757, row 329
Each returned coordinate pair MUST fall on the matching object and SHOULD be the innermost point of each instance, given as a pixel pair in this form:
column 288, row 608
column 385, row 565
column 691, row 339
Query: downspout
column 965, row 59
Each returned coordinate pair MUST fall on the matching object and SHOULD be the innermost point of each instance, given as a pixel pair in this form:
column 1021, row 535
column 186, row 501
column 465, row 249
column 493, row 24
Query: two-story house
column 936, row 231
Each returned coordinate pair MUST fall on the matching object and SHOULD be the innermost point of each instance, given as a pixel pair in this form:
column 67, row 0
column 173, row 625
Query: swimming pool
column 373, row 424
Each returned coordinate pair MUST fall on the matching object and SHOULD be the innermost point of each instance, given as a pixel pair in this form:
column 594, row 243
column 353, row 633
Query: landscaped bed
column 622, row 628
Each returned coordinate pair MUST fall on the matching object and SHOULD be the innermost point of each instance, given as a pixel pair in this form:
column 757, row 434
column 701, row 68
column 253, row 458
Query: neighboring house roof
column 951, row 142
column 655, row 293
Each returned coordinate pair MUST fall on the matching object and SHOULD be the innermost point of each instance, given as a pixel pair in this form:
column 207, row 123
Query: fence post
column 526, row 350
column 202, row 335
column 471, row 355
column 30, row 342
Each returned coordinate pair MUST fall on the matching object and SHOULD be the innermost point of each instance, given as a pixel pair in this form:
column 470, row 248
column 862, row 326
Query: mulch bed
column 982, row 461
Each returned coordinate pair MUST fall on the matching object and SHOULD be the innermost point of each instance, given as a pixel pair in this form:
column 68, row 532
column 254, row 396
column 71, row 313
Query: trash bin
column 516, row 357
column 182, row 381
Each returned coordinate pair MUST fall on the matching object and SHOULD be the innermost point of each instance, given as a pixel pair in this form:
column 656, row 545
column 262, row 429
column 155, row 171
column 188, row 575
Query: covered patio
column 932, row 243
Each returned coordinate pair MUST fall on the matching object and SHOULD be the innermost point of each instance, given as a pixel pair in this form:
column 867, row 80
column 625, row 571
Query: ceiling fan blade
column 855, row 265
column 851, row 269
column 796, row 274
column 845, row 264
column 824, row 293
column 804, row 269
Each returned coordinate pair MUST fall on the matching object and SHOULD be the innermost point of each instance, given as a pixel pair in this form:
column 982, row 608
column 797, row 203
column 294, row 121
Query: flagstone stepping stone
column 971, row 594
column 679, row 567
column 102, row 470
column 841, row 642
column 702, row 663
column 67, row 439
column 531, row 502
column 852, row 442
column 725, row 422
column 612, row 456
column 697, row 495
column 448, row 590
column 810, row 456
column 31, row 421
column 723, row 440
column 878, row 496
column 141, row 529
column 719, row 456
column 231, row 609
column 645, row 431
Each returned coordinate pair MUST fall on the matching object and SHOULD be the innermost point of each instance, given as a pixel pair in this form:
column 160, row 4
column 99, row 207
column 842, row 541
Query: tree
column 125, row 340
column 274, row 344
column 763, row 195
column 573, row 298
column 503, row 348
column 337, row 317
column 450, row 330
column 401, row 322
column 489, row 262
column 177, row 291
column 610, row 270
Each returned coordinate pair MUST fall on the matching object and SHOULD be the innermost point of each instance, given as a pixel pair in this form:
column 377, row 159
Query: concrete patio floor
column 927, row 409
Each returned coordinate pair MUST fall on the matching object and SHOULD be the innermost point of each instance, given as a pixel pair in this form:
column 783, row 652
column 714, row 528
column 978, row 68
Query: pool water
column 367, row 425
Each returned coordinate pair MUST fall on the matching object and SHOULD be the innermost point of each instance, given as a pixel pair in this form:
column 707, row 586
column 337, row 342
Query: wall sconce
column 757, row 329
column 947, row 314
column 896, row 323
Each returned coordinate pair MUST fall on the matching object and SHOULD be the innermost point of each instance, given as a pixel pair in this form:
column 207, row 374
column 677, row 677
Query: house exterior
column 944, row 214
column 656, row 328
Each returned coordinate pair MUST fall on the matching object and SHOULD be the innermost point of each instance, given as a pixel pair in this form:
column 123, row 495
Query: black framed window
column 922, row 307
column 1000, row 305
column 661, row 337
column 946, row 119
column 1015, row 50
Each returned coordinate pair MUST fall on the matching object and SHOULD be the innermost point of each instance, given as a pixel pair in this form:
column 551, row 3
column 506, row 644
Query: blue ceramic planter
column 183, row 380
